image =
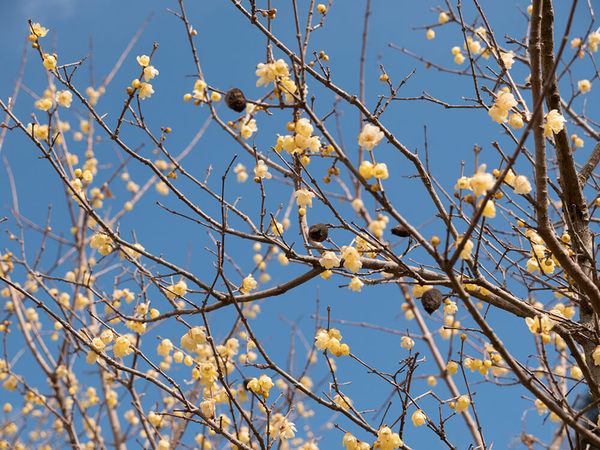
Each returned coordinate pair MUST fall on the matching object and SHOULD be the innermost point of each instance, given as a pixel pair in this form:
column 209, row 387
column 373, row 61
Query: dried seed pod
column 234, row 98
column 400, row 230
column 318, row 232
column 431, row 300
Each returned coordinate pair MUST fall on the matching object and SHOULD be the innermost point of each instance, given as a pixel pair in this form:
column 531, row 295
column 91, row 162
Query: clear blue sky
column 229, row 50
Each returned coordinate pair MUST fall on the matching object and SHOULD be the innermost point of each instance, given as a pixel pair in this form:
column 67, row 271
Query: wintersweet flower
column 387, row 439
column 380, row 171
column 304, row 197
column 143, row 60
column 357, row 204
column 555, row 122
column 407, row 342
column 369, row 136
column 366, row 169
column 145, row 90
column 329, row 260
column 505, row 100
column 208, row 407
column 516, row 121
column 268, row 72
column 596, row 355
column 462, row 404
column 507, row 59
column 351, row 259
column 418, row 418
column 584, row 86
column 122, row 347
column 467, row 249
column 342, row 401
column 262, row 170
column 43, row 104
column 462, row 183
column 575, row 42
column 38, row 31
column 303, row 127
column 64, row 98
column 443, row 18
column 522, row 185
column 49, row 62
column 150, row 72
column 355, row 284
column 541, row 407
column 248, row 284
column 593, row 40
column 248, row 128
column 452, row 367
column 489, row 209
column 481, row 181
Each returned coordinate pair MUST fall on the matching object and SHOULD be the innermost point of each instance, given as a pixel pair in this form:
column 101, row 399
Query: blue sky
column 229, row 50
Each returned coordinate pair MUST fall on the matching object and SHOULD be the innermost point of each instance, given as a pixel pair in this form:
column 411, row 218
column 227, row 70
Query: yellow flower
column 541, row 407
column 49, row 62
column 38, row 30
column 355, row 284
column 150, row 72
column 555, row 122
column 418, row 418
column 64, row 98
column 430, row 33
column 507, row 59
column 380, row 171
column 452, row 367
column 407, row 342
column 43, row 104
column 329, row 260
column 462, row 403
column 584, row 86
column 481, row 181
column 143, row 60
column 596, row 355
column 443, row 18
column 489, row 210
column 369, row 136
column 261, row 170
column 516, row 121
column 521, row 185
column 366, row 169
column 248, row 284
column 145, row 90
column 387, row 439
column 304, row 197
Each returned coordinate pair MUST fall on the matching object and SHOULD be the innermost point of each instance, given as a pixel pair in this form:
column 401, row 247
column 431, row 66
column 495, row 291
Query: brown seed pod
column 431, row 300
column 318, row 232
column 234, row 98
column 400, row 230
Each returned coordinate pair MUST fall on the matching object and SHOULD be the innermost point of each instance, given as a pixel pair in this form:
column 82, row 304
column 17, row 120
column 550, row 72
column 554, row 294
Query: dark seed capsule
column 400, row 230
column 234, row 98
column 318, row 232
column 431, row 300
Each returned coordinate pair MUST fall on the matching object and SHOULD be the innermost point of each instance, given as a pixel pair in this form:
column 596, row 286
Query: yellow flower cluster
column 102, row 242
column 302, row 139
column 351, row 443
column 260, row 386
column 248, row 284
column 277, row 71
column 193, row 339
column 555, row 122
column 331, row 340
column 178, row 289
column 378, row 170
column 503, row 104
column 387, row 439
